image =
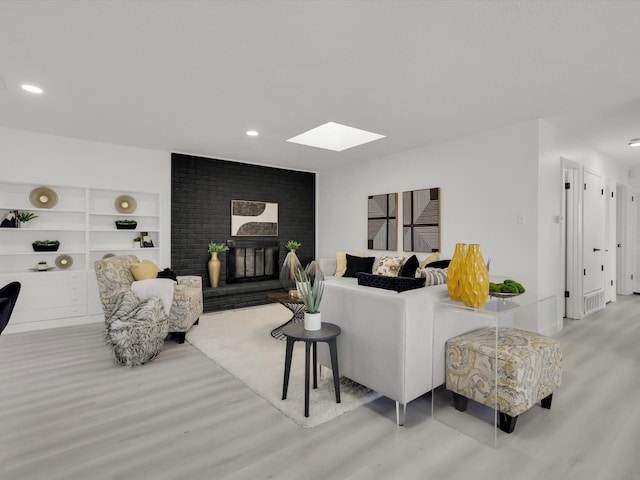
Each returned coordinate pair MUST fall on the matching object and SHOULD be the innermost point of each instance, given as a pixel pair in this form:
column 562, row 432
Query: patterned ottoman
column 529, row 370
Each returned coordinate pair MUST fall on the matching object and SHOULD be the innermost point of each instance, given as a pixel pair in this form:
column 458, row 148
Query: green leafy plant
column 26, row 216
column 293, row 245
column 137, row 239
column 217, row 247
column 42, row 262
column 310, row 285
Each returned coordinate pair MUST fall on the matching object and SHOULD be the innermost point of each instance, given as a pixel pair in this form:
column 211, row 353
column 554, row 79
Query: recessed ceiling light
column 335, row 136
column 634, row 142
column 31, row 88
column 252, row 133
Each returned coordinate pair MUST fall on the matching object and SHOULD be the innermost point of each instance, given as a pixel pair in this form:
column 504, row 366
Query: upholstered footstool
column 529, row 370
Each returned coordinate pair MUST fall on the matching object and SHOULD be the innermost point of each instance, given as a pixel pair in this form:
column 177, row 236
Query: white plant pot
column 135, row 244
column 312, row 321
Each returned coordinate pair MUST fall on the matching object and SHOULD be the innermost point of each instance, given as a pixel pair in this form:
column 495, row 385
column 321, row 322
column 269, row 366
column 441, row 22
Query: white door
column 610, row 242
column 621, row 252
column 593, row 222
column 635, row 270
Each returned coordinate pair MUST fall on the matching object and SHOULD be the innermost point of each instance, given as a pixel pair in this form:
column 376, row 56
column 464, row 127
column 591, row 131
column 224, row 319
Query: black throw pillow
column 357, row 265
column 409, row 267
column 167, row 273
column 439, row 264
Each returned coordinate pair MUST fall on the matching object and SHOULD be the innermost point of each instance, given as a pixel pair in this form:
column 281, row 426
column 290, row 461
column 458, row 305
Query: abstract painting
column 254, row 219
column 421, row 220
column 382, row 225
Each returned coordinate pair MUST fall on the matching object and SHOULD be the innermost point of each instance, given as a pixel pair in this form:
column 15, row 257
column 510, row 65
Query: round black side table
column 328, row 333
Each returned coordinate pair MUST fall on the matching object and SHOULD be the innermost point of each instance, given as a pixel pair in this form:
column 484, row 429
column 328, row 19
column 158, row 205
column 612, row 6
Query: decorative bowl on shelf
column 64, row 261
column 43, row 197
column 126, row 204
column 126, row 224
column 503, row 294
column 45, row 245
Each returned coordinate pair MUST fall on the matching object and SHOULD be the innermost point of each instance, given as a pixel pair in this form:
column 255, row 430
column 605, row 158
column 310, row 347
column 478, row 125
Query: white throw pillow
column 161, row 288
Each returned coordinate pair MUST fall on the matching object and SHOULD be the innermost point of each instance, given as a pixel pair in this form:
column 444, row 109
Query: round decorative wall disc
column 43, row 197
column 64, row 261
column 126, row 204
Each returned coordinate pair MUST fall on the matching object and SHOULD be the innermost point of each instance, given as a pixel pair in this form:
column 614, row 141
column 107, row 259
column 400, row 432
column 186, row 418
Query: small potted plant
column 42, row 265
column 214, row 262
column 136, row 242
column 126, row 224
column 310, row 284
column 292, row 245
column 24, row 217
column 45, row 245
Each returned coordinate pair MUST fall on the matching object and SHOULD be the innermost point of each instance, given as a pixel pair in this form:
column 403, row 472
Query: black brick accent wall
column 201, row 194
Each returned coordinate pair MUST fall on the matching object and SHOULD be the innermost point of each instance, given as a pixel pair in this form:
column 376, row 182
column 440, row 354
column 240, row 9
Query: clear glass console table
column 452, row 319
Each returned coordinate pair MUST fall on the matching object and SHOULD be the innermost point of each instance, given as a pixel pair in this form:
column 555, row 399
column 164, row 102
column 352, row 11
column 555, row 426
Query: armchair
column 114, row 276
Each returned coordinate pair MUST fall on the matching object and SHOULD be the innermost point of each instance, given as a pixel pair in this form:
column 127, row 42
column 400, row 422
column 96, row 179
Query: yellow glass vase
column 455, row 270
column 474, row 281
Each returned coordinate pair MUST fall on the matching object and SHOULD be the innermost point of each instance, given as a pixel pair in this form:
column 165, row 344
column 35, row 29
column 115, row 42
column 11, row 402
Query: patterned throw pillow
column 432, row 276
column 388, row 266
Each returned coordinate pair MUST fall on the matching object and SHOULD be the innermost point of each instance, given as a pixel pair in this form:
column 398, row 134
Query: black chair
column 8, row 298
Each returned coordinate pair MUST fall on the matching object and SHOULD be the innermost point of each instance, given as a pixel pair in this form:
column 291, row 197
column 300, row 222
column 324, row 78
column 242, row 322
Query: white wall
column 486, row 180
column 27, row 157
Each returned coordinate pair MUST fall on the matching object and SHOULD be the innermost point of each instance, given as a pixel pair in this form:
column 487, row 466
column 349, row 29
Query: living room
column 501, row 187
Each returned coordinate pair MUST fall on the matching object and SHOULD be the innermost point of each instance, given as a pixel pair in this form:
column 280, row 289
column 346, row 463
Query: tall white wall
column 487, row 181
column 27, row 157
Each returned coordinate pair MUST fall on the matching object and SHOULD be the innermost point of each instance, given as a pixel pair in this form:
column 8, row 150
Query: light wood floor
column 67, row 412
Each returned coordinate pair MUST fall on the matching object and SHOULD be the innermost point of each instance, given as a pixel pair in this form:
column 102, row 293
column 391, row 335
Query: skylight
column 335, row 136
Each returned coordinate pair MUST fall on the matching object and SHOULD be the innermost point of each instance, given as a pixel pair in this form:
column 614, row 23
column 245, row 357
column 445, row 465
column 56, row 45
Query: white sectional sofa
column 386, row 341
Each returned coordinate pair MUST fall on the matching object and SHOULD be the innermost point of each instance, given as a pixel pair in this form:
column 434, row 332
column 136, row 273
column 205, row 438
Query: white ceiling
column 193, row 76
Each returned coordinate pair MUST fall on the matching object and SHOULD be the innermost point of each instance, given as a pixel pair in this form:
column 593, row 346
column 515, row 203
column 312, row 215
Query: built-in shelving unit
column 83, row 221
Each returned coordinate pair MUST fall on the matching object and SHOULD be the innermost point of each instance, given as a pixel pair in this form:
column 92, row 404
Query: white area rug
column 240, row 342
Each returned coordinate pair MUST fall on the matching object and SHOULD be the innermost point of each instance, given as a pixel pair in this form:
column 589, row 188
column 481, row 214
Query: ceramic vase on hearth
column 474, row 281
column 287, row 273
column 214, row 270
column 455, row 270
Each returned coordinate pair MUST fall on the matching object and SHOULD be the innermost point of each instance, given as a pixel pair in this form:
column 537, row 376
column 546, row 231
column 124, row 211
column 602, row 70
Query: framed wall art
column 254, row 219
column 382, row 222
column 421, row 220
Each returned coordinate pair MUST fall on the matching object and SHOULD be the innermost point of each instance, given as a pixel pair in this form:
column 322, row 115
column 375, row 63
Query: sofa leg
column 546, row 402
column 506, row 423
column 460, row 402
column 401, row 410
column 197, row 321
column 181, row 336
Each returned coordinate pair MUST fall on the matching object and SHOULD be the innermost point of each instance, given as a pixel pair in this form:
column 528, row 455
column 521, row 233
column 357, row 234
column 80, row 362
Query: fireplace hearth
column 250, row 260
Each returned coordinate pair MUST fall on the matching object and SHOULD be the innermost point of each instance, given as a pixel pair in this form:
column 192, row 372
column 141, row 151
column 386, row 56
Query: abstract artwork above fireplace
column 254, row 219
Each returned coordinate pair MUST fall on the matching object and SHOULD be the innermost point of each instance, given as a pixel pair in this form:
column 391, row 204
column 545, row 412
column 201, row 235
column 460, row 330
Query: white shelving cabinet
column 83, row 221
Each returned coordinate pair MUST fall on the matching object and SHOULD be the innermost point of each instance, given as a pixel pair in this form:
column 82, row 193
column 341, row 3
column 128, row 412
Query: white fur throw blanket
column 161, row 288
column 136, row 330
